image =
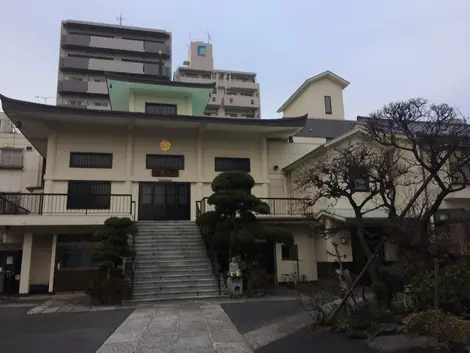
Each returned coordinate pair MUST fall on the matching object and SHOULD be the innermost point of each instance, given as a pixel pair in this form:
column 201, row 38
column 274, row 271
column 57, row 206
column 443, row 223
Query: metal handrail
column 205, row 235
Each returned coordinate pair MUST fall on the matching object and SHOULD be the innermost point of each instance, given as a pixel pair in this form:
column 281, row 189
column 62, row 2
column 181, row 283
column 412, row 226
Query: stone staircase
column 171, row 263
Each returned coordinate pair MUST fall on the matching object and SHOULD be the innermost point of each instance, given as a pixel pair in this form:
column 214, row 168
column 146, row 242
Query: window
column 231, row 100
column 358, row 179
column 11, row 158
column 29, row 148
column 289, row 253
column 75, row 255
column 213, row 99
column 252, row 101
column 88, row 195
column 163, row 109
column 164, row 161
column 75, row 102
column 328, row 107
column 223, row 164
column 90, row 160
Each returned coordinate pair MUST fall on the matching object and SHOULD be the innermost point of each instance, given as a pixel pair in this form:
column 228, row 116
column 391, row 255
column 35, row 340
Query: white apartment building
column 236, row 94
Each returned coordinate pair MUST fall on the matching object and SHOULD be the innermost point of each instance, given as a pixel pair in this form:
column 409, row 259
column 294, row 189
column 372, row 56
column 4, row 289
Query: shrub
column 454, row 288
column 361, row 318
column 435, row 323
column 110, row 287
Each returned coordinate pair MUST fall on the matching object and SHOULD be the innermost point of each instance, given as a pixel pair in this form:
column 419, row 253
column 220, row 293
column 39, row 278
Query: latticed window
column 91, row 160
column 224, row 164
column 164, row 161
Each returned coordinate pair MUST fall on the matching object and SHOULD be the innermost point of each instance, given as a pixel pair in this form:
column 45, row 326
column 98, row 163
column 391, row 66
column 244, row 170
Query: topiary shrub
column 435, row 323
column 232, row 226
column 110, row 286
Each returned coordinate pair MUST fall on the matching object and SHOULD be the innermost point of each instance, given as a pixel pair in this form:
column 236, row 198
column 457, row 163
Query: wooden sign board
column 165, row 173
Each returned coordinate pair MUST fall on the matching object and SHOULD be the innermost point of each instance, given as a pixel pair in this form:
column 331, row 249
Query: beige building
column 153, row 158
column 20, row 163
column 236, row 94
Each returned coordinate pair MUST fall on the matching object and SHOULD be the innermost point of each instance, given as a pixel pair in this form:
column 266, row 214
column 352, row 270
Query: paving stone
column 124, row 337
column 200, row 341
column 124, row 347
column 231, row 348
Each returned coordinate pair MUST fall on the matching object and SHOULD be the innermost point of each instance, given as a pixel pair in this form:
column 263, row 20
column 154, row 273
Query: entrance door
column 164, row 201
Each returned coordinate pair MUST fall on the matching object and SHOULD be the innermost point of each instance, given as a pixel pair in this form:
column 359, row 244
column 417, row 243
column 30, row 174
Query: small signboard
column 165, row 173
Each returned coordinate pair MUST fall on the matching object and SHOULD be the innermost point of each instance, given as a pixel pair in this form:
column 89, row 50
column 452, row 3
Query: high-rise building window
column 328, row 107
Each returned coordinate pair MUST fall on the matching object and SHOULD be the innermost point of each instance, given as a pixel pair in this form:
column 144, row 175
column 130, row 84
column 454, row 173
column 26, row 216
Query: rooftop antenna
column 209, row 38
column 119, row 19
column 44, row 98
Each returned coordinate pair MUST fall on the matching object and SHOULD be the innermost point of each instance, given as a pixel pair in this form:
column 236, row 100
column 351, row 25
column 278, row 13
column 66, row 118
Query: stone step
column 176, row 294
column 177, row 281
column 146, row 275
column 169, row 248
column 177, row 297
column 173, row 268
column 176, row 253
column 173, row 287
column 170, row 262
column 168, row 235
column 164, row 272
column 147, row 240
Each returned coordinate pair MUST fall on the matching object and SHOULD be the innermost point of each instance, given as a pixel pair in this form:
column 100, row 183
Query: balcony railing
column 279, row 207
column 56, row 204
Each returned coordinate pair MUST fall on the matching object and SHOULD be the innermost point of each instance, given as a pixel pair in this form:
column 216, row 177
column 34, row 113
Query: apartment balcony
column 247, row 85
column 279, row 208
column 195, row 79
column 103, row 65
column 241, row 101
column 74, row 86
column 118, row 44
column 215, row 100
column 42, row 209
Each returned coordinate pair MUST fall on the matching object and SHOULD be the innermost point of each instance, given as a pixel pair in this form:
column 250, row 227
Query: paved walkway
column 177, row 328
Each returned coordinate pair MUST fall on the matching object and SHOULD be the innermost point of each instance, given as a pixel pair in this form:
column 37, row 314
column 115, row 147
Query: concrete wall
column 17, row 180
column 306, row 244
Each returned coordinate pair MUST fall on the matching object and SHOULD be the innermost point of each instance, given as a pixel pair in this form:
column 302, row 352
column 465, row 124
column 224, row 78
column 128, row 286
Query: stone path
column 177, row 328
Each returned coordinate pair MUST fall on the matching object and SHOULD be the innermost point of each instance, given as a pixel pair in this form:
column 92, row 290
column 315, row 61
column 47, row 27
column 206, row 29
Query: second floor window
column 160, row 109
column 358, row 179
column 328, row 106
column 91, row 160
column 223, row 164
column 11, row 157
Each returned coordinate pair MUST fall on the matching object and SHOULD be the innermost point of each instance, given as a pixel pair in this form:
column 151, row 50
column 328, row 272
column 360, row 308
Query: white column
column 200, row 167
column 51, row 155
column 26, row 263
column 52, row 267
column 264, row 166
column 130, row 160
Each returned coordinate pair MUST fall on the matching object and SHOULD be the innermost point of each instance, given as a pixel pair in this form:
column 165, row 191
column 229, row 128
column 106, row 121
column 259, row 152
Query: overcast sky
column 392, row 51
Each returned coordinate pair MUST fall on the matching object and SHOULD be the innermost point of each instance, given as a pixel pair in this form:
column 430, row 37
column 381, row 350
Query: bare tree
column 426, row 156
column 355, row 173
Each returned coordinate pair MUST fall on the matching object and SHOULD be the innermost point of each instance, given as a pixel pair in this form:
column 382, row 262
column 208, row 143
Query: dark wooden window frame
column 359, row 173
column 164, row 161
column 91, row 160
column 160, row 108
column 229, row 164
column 88, row 195
column 289, row 252
column 328, row 105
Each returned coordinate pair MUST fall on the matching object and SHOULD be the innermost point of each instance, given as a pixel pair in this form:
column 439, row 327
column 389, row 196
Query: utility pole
column 119, row 19
column 43, row 98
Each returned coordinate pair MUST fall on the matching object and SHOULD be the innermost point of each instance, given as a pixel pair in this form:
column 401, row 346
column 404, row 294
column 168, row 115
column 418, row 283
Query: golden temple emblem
column 165, row 145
